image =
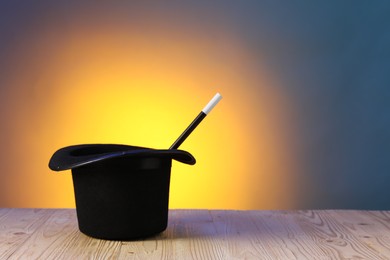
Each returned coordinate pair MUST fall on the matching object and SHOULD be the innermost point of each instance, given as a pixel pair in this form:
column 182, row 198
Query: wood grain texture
column 204, row 234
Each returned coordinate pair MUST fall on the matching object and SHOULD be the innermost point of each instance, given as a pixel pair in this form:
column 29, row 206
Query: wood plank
column 238, row 236
column 194, row 234
column 59, row 238
column 333, row 237
column 283, row 237
column 187, row 237
column 3, row 212
column 204, row 234
column 17, row 226
column 370, row 227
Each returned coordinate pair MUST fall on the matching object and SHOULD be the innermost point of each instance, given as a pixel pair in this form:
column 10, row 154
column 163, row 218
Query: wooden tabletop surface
column 204, row 234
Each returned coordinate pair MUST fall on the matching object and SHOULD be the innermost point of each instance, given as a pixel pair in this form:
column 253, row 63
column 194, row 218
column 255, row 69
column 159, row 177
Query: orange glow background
column 140, row 80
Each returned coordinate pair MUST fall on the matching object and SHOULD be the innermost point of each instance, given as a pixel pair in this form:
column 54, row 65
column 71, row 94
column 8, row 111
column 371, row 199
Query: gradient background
column 304, row 122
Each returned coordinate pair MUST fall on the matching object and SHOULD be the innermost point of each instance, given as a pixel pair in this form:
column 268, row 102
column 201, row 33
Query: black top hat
column 121, row 191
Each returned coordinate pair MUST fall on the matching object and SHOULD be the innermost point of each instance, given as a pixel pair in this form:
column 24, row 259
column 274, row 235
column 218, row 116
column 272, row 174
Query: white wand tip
column 213, row 102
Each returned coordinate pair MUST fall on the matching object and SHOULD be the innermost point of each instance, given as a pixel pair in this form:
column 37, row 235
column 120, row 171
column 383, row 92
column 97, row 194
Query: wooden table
column 204, row 234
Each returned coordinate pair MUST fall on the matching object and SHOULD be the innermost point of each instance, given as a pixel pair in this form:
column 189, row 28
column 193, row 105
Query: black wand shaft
column 196, row 121
column 188, row 131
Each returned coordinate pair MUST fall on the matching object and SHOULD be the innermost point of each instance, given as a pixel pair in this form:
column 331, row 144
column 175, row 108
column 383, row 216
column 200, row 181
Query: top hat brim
column 79, row 155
